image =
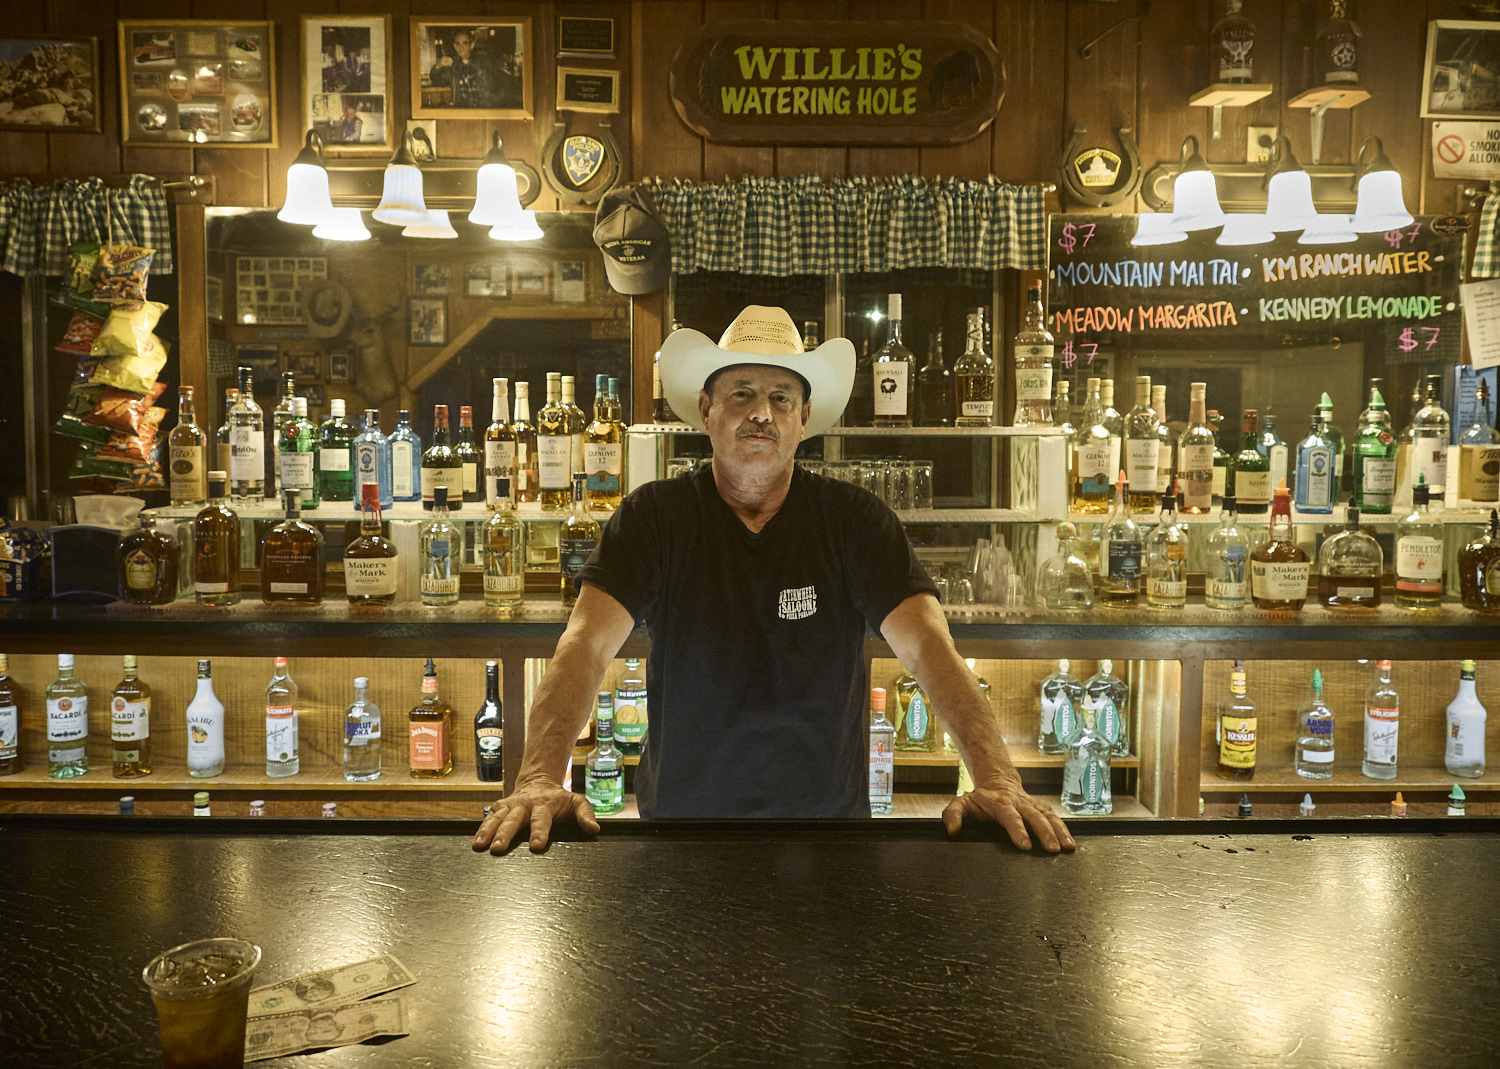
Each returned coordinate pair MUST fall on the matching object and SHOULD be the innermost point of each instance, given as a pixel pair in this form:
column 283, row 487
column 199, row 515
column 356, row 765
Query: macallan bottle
column 130, row 724
column 188, row 451
column 1195, row 456
column 1235, row 729
column 430, row 731
column 1279, row 567
column 576, row 423
column 499, row 441
column 554, row 448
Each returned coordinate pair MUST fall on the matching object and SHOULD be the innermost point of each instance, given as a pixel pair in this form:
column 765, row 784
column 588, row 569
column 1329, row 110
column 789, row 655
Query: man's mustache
column 761, row 432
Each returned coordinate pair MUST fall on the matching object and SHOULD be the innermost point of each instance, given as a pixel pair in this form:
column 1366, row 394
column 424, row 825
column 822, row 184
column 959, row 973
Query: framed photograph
column 433, row 278
column 427, row 321
column 489, row 280
column 477, row 68
column 303, row 366
column 580, row 37
column 568, row 286
column 579, row 89
column 1459, row 80
column 313, row 391
column 274, row 291
column 340, row 367
column 531, row 280
column 346, row 81
column 197, row 81
column 264, row 361
column 213, row 298
column 56, row 87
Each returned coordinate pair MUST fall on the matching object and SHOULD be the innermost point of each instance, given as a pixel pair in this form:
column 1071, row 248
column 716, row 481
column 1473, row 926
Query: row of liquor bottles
column 333, row 460
column 1130, row 567
column 1237, row 723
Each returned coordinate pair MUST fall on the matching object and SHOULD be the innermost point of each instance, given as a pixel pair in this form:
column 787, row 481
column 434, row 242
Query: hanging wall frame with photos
column 197, row 82
column 346, row 81
column 477, row 68
column 1459, row 77
column 50, row 84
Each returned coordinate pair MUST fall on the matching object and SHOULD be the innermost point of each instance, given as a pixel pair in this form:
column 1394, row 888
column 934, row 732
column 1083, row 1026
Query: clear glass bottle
column 891, row 370
column 1120, row 554
column 1225, row 585
column 603, row 452
column 1115, row 424
column 504, row 540
column 292, row 559
column 1274, row 449
column 1249, row 477
column 527, row 477
column 1479, row 569
column 1062, row 700
column 554, row 448
column 130, row 724
column 1463, row 756
column 282, row 756
column 1086, row 788
column 1479, row 452
column 1166, row 559
column 604, row 768
column 247, row 444
column 441, row 466
column 361, row 735
column 406, row 460
column 335, row 462
column 370, row 561
column 1375, row 459
column 1335, row 437
column 1430, row 436
column 1382, row 724
column 442, row 550
column 1235, row 728
column 1317, row 486
column 216, row 548
column 934, row 386
column 1419, row 556
column 1350, row 564
column 974, row 380
column 577, row 423
column 1142, row 449
column 430, row 731
column 205, row 727
column 576, row 539
column 222, row 436
column 882, row 757
column 1065, row 582
column 1195, row 456
column 1166, row 441
column 470, row 459
column 499, row 440
column 631, row 720
column 1405, row 453
column 1093, row 453
column 187, row 454
column 1063, row 413
column 67, row 722
column 489, row 729
column 10, row 720
column 1313, row 756
column 372, row 460
column 1223, row 462
column 1279, row 567
column 1338, row 46
column 284, row 412
column 916, row 730
column 1033, row 359
column 298, row 454
column 1111, row 699
column 1233, row 46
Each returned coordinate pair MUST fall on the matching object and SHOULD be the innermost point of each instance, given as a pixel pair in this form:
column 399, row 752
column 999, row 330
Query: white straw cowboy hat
column 758, row 335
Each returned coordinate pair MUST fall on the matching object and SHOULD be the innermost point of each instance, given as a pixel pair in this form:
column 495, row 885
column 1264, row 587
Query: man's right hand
column 537, row 806
column 446, row 61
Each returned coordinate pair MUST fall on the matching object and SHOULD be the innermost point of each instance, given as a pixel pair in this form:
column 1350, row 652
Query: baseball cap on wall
column 637, row 250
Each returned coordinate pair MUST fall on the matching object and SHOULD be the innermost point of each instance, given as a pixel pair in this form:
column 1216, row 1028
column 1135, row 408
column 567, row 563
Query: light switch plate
column 1258, row 142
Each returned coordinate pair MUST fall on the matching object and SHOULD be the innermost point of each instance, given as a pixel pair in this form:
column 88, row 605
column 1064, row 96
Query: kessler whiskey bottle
column 291, row 563
column 1279, row 567
column 1235, row 729
column 430, row 731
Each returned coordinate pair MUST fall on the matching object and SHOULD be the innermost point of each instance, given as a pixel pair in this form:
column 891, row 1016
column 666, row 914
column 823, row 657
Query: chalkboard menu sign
column 1397, row 293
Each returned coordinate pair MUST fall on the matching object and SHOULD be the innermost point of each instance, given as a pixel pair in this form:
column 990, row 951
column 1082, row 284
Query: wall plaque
column 806, row 82
column 579, row 89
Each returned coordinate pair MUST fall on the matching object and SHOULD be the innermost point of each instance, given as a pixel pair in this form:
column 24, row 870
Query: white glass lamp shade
column 1380, row 206
column 401, row 201
column 1328, row 230
column 524, row 228
column 497, row 200
column 434, row 225
column 343, row 224
column 1289, row 202
column 1245, row 229
column 1156, row 229
column 307, row 199
column 1195, row 201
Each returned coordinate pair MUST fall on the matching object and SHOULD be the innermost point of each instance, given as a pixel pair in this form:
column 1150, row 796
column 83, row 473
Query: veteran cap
column 637, row 251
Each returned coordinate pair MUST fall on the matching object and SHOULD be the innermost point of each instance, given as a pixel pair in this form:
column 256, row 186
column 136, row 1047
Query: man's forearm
column 563, row 703
column 961, row 708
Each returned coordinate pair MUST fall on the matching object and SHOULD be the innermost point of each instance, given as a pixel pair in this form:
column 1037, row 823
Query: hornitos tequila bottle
column 1313, row 756
column 504, row 540
column 1195, row 456
column 1382, row 724
column 1120, row 554
column 1225, row 584
column 915, row 728
column 1464, row 754
column 1142, row 449
column 974, row 380
column 882, row 757
column 604, row 768
column 1235, row 729
column 1033, row 357
column 361, row 735
column 1166, row 559
column 1111, row 698
column 67, row 722
column 1062, row 698
column 1092, row 456
column 1085, row 790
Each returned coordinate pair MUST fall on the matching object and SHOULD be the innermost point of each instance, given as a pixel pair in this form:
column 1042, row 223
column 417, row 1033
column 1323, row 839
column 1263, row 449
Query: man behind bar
column 756, row 581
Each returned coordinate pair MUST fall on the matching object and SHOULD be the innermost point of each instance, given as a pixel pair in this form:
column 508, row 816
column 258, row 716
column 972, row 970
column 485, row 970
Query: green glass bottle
column 335, row 449
column 1375, row 460
column 1250, row 479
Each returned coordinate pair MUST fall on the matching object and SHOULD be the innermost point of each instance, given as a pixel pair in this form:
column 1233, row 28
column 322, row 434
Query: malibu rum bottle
column 1279, row 567
column 187, row 448
column 891, row 369
column 430, row 731
column 1235, row 729
column 130, row 724
column 974, row 380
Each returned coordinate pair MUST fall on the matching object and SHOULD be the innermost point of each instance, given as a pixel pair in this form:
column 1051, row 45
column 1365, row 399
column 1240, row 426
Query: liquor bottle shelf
column 245, row 779
column 882, row 432
column 938, row 759
column 347, row 511
column 1466, row 513
column 1413, row 778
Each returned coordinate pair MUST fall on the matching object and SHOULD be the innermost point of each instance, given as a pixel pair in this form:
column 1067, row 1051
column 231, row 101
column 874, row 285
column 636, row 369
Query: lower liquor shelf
column 322, row 780
column 1416, row 777
column 937, row 759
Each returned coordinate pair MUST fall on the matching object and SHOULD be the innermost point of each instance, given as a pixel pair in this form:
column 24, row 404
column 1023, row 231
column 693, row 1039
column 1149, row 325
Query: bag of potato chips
column 123, row 271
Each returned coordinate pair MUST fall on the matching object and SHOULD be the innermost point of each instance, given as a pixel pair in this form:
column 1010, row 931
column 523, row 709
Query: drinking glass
column 921, row 484
column 202, row 993
column 898, row 484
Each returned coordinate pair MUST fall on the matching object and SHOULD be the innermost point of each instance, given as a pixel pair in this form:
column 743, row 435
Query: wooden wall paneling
column 621, row 123
column 971, row 158
column 1299, row 61
column 889, row 159
column 829, row 161
column 192, row 316
column 1393, row 113
column 727, row 162
column 240, row 174
column 1031, row 129
column 661, row 144
column 1100, row 90
column 287, row 15
column 534, row 135
column 1270, row 67
column 1172, row 69
column 76, row 155
column 21, row 152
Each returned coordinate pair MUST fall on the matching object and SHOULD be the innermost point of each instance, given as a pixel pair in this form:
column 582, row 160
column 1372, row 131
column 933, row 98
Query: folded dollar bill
column 276, row 1034
column 331, row 987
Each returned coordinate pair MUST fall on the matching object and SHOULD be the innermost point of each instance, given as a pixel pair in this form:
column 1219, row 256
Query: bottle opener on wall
column 1098, row 178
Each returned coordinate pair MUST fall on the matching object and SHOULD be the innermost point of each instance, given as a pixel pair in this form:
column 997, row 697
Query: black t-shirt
column 757, row 697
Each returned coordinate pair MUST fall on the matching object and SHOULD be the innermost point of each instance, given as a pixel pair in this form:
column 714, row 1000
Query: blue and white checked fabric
column 1486, row 255
column 39, row 223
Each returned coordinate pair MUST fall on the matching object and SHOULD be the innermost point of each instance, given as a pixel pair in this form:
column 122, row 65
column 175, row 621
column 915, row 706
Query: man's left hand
column 1015, row 811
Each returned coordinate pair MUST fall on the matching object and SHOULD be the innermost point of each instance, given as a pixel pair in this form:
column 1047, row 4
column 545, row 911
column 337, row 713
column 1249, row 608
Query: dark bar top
column 1299, row 943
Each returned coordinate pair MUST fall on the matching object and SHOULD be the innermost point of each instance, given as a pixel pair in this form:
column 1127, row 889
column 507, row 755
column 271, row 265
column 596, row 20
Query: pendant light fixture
column 1328, row 230
column 1195, row 194
column 401, row 201
column 1155, row 228
column 434, row 225
column 1245, row 229
column 307, row 201
column 343, row 224
column 523, row 229
column 497, row 201
column 1380, row 206
column 1289, row 199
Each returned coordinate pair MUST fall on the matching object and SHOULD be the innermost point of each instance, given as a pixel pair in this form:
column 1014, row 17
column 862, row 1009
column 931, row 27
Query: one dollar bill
column 331, row 987
column 324, row 1026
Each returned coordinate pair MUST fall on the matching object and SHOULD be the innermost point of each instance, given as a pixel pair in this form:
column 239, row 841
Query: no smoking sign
column 1466, row 150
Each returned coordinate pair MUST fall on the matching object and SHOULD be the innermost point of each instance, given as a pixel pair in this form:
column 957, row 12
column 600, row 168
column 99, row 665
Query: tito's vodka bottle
column 891, row 369
column 1033, row 356
column 188, row 451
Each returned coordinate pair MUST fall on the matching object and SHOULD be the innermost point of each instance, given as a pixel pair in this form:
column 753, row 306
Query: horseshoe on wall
column 611, row 165
column 1131, row 168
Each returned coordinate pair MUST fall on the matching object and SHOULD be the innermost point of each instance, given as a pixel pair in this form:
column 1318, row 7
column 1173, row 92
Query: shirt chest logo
column 797, row 603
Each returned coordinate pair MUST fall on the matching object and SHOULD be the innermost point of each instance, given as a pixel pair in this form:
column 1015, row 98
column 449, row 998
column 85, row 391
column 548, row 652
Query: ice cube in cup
column 201, row 991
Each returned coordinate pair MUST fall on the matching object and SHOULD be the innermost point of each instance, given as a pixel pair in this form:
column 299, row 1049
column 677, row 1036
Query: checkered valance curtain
column 805, row 226
column 38, row 223
column 1486, row 252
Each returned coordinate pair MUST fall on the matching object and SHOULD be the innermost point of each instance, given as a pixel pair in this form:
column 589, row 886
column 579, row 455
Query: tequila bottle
column 554, row 448
column 576, row 539
column 630, row 708
column 291, row 560
column 1279, row 567
column 1166, row 559
column 604, row 451
column 1062, row 700
column 1235, row 729
column 1479, row 453
column 1086, row 788
column 916, row 730
column 216, row 548
column 1224, row 579
column 1463, row 756
column 10, row 721
column 1065, row 582
column 1479, row 569
column 1142, row 449
column 130, row 724
column 299, row 454
column 1250, row 476
column 1111, row 700
column 361, row 735
column 504, row 540
column 187, row 453
column 1166, row 453
column 489, row 729
column 222, row 448
column 604, row 768
column 1430, row 434
column 470, row 460
column 247, row 444
column 442, row 549
column 1033, row 358
column 1233, row 46
column 372, row 460
column 1313, row 758
column 934, row 386
column 1419, row 556
column 1382, row 724
column 406, row 460
column 526, row 450
column 1120, row 554
column 1276, row 451
column 282, row 757
column 441, row 466
column 67, row 722
column 335, row 460
column 974, row 380
column 891, row 372
column 1093, row 455
column 1349, row 567
column 370, row 560
column 205, row 727
column 1375, row 459
column 882, row 757
column 1195, row 456
column 499, row 441
column 430, row 731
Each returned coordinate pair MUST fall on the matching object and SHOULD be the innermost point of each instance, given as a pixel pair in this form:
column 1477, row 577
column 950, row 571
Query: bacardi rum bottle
column 130, row 724
column 67, row 722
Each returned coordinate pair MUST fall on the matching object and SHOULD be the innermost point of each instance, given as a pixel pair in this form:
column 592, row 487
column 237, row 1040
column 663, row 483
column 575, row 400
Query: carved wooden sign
column 757, row 81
